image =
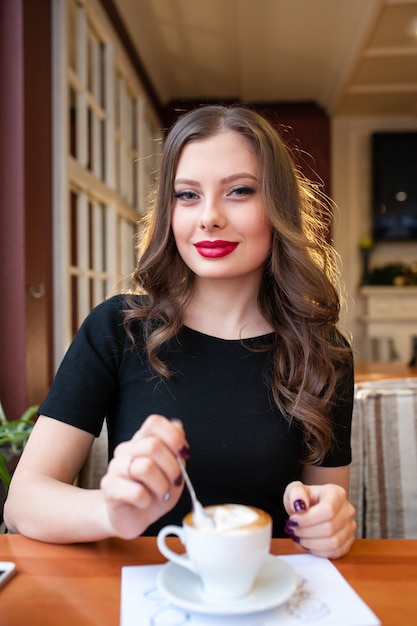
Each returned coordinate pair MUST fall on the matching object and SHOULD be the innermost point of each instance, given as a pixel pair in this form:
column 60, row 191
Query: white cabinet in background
column 390, row 313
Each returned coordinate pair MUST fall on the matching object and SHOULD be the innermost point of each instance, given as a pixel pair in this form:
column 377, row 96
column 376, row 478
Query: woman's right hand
column 143, row 480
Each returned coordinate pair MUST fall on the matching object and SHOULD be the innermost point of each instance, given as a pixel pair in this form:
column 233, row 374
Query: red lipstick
column 215, row 249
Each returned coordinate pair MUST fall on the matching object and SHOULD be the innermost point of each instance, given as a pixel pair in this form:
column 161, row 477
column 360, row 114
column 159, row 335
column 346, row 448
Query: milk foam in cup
column 229, row 518
column 228, row 557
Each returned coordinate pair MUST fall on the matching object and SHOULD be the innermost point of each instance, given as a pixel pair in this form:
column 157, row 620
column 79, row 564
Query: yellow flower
column 366, row 242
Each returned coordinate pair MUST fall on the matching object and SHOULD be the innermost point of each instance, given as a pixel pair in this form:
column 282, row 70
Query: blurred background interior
column 87, row 89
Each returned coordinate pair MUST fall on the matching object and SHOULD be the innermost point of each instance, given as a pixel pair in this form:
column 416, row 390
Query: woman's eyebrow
column 186, row 181
column 238, row 175
column 227, row 179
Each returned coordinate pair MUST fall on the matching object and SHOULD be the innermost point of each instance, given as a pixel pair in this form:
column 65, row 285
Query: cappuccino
column 226, row 558
column 231, row 519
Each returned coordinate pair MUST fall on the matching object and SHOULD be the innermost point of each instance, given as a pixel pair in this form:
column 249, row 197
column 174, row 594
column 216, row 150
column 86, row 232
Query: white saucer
column 276, row 582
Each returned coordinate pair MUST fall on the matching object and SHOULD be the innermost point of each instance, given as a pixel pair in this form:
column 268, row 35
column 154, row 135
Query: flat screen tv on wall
column 394, row 186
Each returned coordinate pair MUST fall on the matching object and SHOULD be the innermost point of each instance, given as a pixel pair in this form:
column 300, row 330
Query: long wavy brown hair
column 299, row 294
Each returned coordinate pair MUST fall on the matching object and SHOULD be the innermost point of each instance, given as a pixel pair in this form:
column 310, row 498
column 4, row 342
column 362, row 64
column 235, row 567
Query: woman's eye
column 243, row 190
column 185, row 195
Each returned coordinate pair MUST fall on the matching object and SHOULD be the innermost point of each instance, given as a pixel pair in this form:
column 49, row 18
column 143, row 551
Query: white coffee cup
column 228, row 557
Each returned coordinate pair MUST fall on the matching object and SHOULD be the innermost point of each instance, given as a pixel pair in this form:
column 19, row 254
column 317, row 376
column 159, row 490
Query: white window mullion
column 109, row 105
column 83, row 303
column 60, row 218
column 97, row 85
column 119, row 136
column 142, row 180
column 97, row 72
column 81, row 114
column 123, row 162
column 99, row 251
column 111, row 246
column 128, row 150
column 126, row 256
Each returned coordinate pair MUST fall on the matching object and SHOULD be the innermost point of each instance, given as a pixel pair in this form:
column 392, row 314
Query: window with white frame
column 106, row 147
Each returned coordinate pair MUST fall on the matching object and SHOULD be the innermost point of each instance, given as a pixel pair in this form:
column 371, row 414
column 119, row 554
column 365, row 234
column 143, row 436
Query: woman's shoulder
column 108, row 317
column 116, row 306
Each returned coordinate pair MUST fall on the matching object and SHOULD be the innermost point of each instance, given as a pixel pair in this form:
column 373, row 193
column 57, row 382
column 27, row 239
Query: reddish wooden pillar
column 12, row 210
column 38, row 197
column 25, row 203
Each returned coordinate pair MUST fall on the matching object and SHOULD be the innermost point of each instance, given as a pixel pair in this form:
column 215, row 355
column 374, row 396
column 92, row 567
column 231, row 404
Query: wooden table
column 74, row 585
column 382, row 370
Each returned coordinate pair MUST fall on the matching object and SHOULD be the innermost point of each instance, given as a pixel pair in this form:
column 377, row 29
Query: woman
column 228, row 355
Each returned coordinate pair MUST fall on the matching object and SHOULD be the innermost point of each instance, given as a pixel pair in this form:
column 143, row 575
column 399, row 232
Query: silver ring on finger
column 166, row 496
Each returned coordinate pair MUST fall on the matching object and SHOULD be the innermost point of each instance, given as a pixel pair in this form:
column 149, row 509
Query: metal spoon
column 202, row 518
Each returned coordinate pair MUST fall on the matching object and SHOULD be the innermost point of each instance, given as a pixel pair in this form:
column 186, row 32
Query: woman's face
column 219, row 220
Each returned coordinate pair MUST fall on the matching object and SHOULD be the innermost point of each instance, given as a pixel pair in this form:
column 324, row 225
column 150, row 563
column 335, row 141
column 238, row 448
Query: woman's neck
column 227, row 311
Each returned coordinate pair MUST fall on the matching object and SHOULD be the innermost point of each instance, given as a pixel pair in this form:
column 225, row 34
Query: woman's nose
column 211, row 216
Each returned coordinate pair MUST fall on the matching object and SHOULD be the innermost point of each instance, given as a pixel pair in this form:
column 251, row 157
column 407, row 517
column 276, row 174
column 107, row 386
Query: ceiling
column 352, row 57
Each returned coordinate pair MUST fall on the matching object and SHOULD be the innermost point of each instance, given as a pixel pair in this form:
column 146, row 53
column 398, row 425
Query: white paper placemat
column 323, row 597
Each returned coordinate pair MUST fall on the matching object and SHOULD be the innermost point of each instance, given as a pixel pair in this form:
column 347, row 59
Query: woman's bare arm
column 44, row 504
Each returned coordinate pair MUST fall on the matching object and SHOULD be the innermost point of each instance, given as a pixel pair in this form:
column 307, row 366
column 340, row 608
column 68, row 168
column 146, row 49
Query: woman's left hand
column 321, row 518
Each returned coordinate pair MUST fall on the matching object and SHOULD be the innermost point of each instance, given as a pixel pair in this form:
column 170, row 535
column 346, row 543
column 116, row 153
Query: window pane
column 72, row 34
column 72, row 123
column 108, row 164
column 74, row 228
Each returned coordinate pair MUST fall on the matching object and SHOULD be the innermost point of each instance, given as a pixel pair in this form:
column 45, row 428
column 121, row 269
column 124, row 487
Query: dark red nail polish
column 295, row 538
column 178, row 481
column 299, row 505
column 289, row 527
column 184, row 451
column 291, row 523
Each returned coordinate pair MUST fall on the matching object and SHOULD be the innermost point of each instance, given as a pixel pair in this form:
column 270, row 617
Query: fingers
column 296, row 497
column 326, row 525
column 143, row 478
column 151, row 472
column 150, row 456
column 171, row 433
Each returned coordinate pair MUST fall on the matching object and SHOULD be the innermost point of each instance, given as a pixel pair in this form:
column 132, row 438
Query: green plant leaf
column 3, row 419
column 16, row 433
column 30, row 413
column 4, row 472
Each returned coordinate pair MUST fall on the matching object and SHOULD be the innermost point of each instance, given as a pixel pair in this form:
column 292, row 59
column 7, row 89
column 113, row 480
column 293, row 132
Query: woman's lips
column 215, row 249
